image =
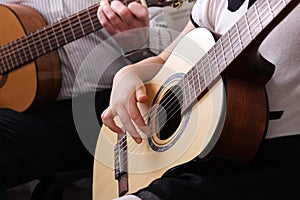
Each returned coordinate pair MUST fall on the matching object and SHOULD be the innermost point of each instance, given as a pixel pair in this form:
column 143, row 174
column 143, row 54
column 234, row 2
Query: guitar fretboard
column 54, row 36
column 198, row 79
column 48, row 38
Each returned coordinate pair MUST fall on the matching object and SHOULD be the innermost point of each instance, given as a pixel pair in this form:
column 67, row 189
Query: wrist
column 139, row 54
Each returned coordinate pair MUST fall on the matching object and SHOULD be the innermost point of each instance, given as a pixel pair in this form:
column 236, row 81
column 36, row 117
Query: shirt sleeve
column 202, row 14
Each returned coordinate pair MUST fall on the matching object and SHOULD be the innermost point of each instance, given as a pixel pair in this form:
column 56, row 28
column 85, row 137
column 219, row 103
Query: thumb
column 141, row 94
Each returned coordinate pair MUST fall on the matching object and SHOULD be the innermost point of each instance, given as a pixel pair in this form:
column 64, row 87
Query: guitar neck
column 51, row 37
column 251, row 28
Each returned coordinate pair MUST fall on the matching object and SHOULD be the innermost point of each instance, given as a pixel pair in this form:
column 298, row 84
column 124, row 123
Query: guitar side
column 36, row 83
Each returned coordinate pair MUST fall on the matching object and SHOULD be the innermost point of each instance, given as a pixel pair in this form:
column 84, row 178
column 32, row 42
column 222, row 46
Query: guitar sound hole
column 170, row 113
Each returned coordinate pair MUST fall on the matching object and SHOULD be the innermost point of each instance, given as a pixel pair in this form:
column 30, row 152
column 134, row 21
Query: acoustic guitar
column 29, row 64
column 208, row 99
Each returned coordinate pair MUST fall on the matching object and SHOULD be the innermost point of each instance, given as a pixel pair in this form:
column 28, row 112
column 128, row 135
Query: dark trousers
column 274, row 173
column 39, row 142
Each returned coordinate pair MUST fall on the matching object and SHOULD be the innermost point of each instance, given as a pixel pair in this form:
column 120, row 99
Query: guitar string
column 42, row 35
column 30, row 38
column 138, row 145
column 59, row 28
column 177, row 91
column 173, row 101
column 209, row 75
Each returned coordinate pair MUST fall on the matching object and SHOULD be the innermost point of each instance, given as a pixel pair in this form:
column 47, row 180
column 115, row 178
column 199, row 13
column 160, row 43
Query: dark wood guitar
column 208, row 99
column 29, row 63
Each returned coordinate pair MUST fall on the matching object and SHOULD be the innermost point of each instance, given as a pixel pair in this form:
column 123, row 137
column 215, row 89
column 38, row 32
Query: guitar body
column 36, row 83
column 230, row 120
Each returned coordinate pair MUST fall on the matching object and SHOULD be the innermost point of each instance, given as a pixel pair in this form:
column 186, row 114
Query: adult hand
column 128, row 24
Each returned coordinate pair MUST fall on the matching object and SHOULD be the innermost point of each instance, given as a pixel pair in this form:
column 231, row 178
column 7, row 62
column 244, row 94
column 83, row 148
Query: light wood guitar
column 208, row 99
column 29, row 64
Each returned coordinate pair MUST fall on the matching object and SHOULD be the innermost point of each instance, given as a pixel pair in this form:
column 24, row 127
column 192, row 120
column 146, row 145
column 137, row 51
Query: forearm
column 145, row 69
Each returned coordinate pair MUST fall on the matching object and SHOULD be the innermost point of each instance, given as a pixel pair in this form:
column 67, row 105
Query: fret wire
column 218, row 55
column 202, row 82
column 206, row 72
column 284, row 2
column 222, row 48
column 202, row 79
column 269, row 6
column 246, row 20
column 81, row 24
column 14, row 58
column 55, row 37
column 239, row 36
column 48, row 38
column 29, row 44
column 4, row 58
column 245, row 37
column 59, row 35
column 195, row 81
column 264, row 12
column 215, row 70
column 210, row 66
column 204, row 75
column 10, row 58
column 17, row 55
column 182, row 87
column 199, row 75
column 79, row 32
column 33, row 42
column 91, row 21
column 198, row 81
column 192, row 83
column 63, row 34
column 7, row 62
column 186, row 92
column 230, row 44
column 189, row 91
column 40, row 40
column 252, row 23
column 69, row 35
column 68, row 32
column 53, row 42
column 39, row 44
column 71, row 28
column 21, row 51
column 227, row 51
column 215, row 59
column 14, row 55
column 24, row 44
column 258, row 16
column 184, row 104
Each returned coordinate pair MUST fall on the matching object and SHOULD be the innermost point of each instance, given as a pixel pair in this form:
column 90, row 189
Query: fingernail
column 138, row 140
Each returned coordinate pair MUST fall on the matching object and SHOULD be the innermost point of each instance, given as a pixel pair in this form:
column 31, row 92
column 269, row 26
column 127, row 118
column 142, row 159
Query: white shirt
column 281, row 47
